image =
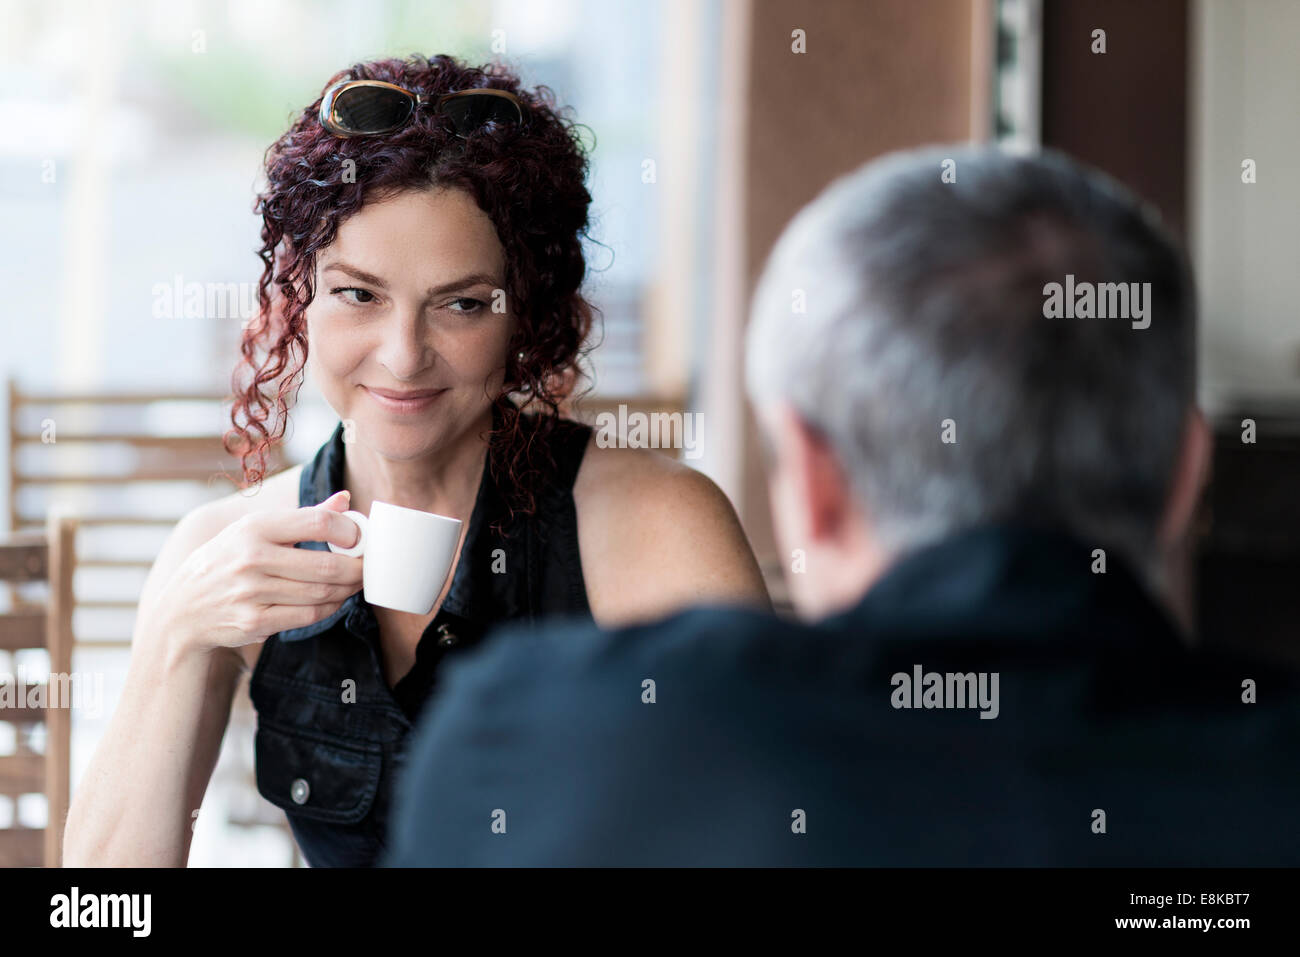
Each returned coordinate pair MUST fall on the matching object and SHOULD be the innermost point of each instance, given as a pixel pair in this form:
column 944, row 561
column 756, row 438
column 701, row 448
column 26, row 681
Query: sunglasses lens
column 372, row 109
column 468, row 113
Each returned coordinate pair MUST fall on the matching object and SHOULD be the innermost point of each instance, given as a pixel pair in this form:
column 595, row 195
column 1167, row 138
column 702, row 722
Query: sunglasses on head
column 368, row 107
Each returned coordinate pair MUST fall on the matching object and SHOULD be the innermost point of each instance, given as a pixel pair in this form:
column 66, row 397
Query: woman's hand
column 249, row 581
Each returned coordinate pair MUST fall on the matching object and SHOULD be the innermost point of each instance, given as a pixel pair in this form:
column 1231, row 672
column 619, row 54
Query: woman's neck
column 445, row 482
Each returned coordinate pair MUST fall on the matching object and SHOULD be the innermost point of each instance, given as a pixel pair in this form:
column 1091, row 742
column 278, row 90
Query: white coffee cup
column 407, row 555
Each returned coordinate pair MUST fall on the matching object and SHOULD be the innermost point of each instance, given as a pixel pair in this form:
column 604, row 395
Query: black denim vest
column 331, row 735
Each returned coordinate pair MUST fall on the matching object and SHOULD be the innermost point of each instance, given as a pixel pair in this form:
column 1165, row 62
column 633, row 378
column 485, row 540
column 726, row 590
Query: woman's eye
column 466, row 305
column 364, row 296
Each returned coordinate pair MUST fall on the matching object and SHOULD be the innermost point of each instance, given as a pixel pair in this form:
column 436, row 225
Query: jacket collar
column 1013, row 585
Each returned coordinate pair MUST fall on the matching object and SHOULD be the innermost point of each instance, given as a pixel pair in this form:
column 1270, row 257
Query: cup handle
column 360, row 547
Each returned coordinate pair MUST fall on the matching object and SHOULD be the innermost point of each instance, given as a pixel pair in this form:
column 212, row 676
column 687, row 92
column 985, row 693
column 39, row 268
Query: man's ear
column 817, row 479
column 1189, row 480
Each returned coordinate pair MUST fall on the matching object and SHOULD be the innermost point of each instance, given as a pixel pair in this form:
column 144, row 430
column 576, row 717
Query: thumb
column 340, row 501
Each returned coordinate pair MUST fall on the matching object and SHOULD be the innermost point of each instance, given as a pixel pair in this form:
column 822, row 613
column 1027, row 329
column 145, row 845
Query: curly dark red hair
column 528, row 178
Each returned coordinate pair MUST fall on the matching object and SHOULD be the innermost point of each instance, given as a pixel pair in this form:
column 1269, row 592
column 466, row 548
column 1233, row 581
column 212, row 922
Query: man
column 985, row 457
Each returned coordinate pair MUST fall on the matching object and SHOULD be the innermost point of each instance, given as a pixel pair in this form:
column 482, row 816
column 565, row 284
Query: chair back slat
column 25, row 559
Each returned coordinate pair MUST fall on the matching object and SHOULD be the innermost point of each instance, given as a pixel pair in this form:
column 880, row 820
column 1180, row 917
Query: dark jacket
column 775, row 743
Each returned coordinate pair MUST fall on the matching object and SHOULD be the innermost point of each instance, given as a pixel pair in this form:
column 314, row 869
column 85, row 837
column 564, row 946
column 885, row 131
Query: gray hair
column 925, row 302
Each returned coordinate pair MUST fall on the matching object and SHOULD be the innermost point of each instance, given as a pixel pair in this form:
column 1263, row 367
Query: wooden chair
column 134, row 477
column 195, row 463
column 27, row 559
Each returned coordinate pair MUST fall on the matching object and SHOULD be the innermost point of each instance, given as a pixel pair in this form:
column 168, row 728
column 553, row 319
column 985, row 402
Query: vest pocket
column 314, row 776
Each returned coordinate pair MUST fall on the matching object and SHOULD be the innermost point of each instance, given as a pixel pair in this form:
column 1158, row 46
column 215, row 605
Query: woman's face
column 403, row 303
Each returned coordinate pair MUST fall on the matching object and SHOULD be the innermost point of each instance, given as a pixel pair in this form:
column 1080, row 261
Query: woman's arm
column 222, row 585
column 657, row 536
column 150, row 770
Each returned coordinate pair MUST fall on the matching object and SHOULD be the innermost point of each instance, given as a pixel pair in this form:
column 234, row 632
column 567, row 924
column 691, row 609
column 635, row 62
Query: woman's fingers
column 286, row 591
column 250, row 581
column 279, row 618
column 312, row 565
column 312, row 523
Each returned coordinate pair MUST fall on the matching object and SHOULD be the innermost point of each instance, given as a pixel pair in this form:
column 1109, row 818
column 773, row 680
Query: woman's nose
column 405, row 350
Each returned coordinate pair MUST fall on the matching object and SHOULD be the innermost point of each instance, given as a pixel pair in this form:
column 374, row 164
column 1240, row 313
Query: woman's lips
column 393, row 404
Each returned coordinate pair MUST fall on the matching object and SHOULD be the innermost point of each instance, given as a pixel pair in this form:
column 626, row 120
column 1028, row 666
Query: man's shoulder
column 702, row 643
column 695, row 738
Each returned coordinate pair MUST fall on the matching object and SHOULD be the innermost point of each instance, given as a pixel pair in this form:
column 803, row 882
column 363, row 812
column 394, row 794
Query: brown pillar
column 1125, row 110
column 875, row 77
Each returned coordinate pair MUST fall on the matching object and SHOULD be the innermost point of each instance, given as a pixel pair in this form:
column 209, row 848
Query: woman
column 423, row 258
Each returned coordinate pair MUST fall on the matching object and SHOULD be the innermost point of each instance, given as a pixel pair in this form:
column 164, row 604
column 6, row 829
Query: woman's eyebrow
column 464, row 282
column 473, row 279
column 358, row 274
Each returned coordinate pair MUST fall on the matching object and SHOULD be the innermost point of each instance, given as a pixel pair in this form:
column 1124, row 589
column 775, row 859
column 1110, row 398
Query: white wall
column 1245, row 86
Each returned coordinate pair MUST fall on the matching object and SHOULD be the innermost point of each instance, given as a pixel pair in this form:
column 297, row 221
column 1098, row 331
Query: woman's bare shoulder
column 648, row 490
column 603, row 465
column 646, row 517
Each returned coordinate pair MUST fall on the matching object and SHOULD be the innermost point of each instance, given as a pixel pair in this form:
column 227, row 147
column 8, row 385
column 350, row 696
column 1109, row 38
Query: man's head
column 910, row 383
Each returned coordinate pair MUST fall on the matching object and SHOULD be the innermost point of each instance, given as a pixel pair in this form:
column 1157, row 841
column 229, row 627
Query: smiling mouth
column 405, row 401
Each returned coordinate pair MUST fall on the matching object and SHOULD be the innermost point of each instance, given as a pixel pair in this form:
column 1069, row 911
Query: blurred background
column 130, row 140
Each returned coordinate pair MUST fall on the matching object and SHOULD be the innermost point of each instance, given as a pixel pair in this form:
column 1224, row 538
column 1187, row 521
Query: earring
column 520, row 357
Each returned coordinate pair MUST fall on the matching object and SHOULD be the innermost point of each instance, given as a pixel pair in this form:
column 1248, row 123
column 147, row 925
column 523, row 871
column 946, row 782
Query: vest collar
column 479, row 592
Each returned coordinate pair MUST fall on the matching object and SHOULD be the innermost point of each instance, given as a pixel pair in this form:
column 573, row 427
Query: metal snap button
column 299, row 791
column 448, row 637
